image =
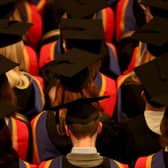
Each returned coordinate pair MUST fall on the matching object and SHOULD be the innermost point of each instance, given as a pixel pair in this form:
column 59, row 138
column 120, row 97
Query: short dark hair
column 83, row 130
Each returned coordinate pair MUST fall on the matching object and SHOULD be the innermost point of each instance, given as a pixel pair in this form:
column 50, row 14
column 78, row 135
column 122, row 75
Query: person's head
column 153, row 76
column 83, row 119
column 86, row 35
column 11, row 45
column 154, row 34
column 83, row 34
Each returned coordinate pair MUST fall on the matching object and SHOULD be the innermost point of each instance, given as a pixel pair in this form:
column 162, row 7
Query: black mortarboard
column 6, row 8
column 6, row 110
column 82, row 29
column 72, row 68
column 81, row 8
column 155, row 35
column 12, row 31
column 6, row 64
column 154, row 77
column 157, row 7
column 81, row 111
column 86, row 34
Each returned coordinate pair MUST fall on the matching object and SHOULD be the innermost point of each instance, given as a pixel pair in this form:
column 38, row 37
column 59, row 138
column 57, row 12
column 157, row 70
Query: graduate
column 83, row 124
column 88, row 35
column 148, row 35
column 156, row 86
column 23, row 84
column 142, row 132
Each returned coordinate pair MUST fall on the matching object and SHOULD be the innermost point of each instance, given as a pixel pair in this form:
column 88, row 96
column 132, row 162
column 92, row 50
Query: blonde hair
column 14, row 52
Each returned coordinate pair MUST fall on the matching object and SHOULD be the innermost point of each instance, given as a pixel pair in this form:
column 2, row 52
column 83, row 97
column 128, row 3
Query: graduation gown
column 30, row 60
column 50, row 144
column 139, row 139
column 129, row 17
column 20, row 137
column 21, row 164
column 62, row 162
column 107, row 87
column 156, row 160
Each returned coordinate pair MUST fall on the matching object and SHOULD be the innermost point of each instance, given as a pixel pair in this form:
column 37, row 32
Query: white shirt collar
column 153, row 120
column 84, row 150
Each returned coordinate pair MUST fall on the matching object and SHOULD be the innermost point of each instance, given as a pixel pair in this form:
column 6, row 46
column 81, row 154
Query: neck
column 84, row 142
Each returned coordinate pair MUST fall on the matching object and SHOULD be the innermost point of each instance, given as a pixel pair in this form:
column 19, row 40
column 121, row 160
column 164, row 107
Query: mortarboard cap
column 6, row 8
column 6, row 110
column 72, row 68
column 6, row 64
column 154, row 77
column 12, row 31
column 81, row 111
column 82, row 29
column 157, row 7
column 155, row 35
column 86, row 34
column 81, row 8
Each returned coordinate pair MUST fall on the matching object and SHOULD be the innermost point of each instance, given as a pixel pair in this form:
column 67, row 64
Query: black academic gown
column 139, row 139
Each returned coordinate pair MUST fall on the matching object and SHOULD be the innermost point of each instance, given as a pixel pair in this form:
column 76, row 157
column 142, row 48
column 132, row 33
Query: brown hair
column 83, row 130
column 14, row 52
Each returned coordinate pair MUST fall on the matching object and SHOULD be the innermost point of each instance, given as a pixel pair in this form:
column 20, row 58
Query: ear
column 99, row 128
column 143, row 95
column 67, row 130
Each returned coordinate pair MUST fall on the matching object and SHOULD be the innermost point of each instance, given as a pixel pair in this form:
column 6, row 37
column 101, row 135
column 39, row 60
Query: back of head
column 154, row 77
column 82, row 116
column 154, row 34
column 83, row 34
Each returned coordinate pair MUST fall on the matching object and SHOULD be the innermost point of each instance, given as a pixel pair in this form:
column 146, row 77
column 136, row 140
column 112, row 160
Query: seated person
column 82, row 126
column 143, row 131
column 157, row 121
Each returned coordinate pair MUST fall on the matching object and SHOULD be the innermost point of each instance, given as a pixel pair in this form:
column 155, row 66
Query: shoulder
column 117, row 164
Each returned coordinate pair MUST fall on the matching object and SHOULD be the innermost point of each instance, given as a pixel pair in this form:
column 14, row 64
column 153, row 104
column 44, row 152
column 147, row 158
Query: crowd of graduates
column 83, row 83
